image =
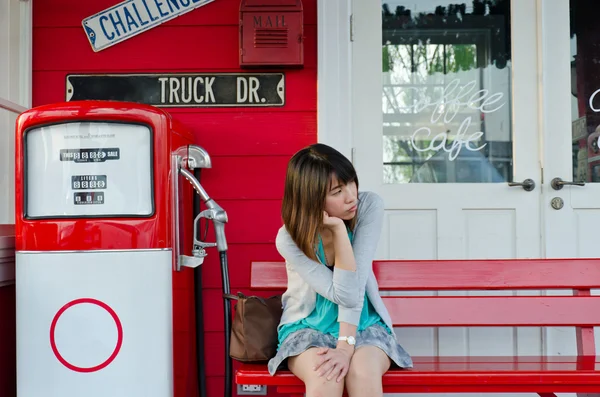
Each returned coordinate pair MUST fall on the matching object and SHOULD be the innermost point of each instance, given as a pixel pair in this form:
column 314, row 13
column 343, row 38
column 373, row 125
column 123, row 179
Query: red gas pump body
column 72, row 271
column 90, row 233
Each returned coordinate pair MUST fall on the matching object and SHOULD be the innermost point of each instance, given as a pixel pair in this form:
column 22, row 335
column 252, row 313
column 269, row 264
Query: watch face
column 351, row 340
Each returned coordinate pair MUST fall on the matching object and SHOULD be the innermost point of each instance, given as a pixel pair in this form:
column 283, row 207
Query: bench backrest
column 580, row 309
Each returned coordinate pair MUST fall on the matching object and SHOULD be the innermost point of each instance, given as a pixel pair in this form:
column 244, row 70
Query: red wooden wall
column 8, row 368
column 249, row 147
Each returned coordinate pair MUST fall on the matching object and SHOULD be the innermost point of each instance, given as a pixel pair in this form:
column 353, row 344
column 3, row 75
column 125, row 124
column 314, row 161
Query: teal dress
column 324, row 317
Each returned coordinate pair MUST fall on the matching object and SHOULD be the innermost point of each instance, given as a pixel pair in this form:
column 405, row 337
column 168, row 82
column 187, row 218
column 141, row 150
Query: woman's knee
column 363, row 373
column 367, row 367
column 321, row 387
column 302, row 366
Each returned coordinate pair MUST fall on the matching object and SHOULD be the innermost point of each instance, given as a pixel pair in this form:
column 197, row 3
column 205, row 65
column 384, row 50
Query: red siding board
column 239, row 257
column 254, row 178
column 61, row 13
column 8, row 342
column 251, row 221
column 176, row 48
column 252, row 133
column 250, row 147
column 214, row 351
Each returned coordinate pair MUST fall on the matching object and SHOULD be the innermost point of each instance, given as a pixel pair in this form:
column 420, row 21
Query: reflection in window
column 585, row 90
column 446, row 91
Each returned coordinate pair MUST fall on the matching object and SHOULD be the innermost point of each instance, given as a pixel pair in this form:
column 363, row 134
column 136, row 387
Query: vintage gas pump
column 104, row 235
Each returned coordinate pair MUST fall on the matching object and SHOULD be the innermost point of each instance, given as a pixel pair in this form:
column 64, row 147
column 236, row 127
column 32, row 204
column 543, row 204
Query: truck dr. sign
column 181, row 89
column 133, row 17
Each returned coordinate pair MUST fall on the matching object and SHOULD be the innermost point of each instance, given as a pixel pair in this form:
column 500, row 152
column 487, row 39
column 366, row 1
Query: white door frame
column 334, row 81
column 15, row 90
column 18, row 100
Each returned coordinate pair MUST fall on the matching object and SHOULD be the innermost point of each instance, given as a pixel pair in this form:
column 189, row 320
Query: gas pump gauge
column 89, row 169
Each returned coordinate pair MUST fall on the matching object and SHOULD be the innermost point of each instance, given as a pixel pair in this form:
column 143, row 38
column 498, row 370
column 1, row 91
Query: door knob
column 527, row 185
column 558, row 183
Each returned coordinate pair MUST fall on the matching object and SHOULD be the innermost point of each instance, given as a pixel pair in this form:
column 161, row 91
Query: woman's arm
column 340, row 286
column 366, row 237
column 344, row 255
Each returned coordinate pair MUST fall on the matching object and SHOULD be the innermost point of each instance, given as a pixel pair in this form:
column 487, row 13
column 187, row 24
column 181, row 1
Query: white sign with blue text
column 133, row 17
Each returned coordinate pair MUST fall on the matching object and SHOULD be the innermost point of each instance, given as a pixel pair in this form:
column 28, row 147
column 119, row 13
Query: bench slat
column 460, row 274
column 460, row 311
column 463, row 374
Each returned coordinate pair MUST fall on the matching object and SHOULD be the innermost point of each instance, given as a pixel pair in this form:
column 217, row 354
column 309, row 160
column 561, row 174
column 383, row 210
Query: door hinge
column 351, row 27
column 352, row 151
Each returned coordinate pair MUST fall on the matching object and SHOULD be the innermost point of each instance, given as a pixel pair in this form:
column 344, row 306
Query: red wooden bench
column 544, row 375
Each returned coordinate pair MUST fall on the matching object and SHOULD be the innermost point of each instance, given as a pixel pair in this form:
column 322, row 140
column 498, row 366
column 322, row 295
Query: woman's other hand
column 333, row 363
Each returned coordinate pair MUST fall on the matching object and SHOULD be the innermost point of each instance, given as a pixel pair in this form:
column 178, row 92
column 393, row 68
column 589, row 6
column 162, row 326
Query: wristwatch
column 350, row 339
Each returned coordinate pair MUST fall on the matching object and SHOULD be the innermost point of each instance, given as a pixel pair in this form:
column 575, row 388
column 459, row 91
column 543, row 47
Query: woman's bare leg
column 368, row 365
column 302, row 366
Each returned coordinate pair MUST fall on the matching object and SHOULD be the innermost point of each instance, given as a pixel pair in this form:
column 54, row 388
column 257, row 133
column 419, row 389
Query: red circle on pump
column 119, row 335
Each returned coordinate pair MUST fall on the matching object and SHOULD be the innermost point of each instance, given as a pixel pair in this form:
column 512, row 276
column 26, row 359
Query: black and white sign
column 182, row 90
column 88, row 182
column 87, row 198
column 89, row 155
column 132, row 17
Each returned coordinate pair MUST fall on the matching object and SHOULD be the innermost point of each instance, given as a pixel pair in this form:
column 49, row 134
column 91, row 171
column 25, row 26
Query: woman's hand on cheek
column 331, row 222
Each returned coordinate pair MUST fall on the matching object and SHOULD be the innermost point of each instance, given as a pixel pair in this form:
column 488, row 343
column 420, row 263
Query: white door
column 445, row 116
column 570, row 110
column 455, row 104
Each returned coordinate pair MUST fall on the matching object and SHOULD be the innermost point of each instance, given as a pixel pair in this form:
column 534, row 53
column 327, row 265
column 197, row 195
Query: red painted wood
column 252, row 132
column 8, row 342
column 484, row 374
column 253, row 178
column 428, row 387
column 250, row 221
column 202, row 41
column 170, row 50
column 7, row 236
column 463, row 274
column 478, row 311
column 62, row 13
column 585, row 335
column 240, row 257
column 494, row 311
column 214, row 352
column 451, row 364
column 475, row 374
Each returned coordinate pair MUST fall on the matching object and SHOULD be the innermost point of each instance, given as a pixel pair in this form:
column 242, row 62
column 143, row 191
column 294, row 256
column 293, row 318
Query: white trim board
column 11, row 106
column 334, row 102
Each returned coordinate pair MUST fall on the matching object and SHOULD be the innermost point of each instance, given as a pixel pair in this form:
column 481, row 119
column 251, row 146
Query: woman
column 335, row 330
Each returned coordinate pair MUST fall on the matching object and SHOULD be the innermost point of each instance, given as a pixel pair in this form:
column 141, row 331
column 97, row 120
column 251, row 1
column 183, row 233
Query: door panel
column 441, row 159
column 570, row 106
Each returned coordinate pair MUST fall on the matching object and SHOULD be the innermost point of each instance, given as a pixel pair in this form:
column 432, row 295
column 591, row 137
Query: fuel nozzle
column 213, row 212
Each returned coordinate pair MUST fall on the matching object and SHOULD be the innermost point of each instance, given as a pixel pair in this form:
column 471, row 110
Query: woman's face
column 341, row 200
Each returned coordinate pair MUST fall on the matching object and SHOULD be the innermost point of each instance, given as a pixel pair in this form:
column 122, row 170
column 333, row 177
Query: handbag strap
column 234, row 297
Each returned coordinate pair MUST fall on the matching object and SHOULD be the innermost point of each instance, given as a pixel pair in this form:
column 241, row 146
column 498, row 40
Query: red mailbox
column 271, row 33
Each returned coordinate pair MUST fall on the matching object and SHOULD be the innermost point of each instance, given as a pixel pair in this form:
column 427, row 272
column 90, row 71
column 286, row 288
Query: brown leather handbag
column 254, row 328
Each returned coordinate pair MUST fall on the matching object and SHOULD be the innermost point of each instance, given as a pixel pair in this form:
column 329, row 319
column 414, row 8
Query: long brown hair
column 307, row 181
